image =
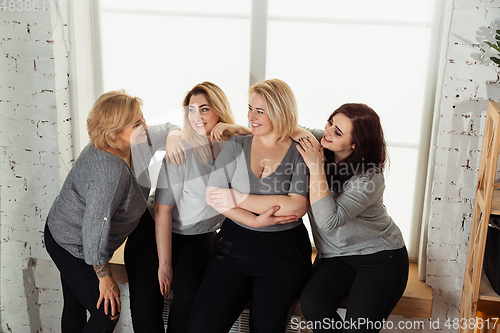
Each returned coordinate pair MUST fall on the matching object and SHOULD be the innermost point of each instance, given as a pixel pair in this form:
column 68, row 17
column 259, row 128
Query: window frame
column 85, row 80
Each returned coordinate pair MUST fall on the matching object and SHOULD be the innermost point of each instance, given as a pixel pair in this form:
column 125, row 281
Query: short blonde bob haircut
column 219, row 104
column 281, row 105
column 111, row 113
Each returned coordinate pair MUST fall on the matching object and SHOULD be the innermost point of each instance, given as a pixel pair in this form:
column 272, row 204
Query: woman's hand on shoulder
column 175, row 151
column 312, row 153
column 267, row 218
column 300, row 132
column 222, row 129
column 165, row 275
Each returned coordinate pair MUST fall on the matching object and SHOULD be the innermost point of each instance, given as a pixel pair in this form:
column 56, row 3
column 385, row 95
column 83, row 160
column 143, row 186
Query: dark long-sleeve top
column 101, row 200
column 354, row 221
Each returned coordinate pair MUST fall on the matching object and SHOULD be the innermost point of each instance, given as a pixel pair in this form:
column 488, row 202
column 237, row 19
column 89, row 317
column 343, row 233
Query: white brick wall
column 461, row 105
column 35, row 129
column 35, row 139
column 35, row 156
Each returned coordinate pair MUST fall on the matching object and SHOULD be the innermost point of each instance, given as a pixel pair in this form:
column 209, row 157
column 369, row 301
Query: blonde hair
column 281, row 105
column 220, row 105
column 111, row 113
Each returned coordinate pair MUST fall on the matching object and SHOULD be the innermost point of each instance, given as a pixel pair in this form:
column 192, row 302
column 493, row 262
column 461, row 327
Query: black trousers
column 80, row 286
column 190, row 255
column 269, row 269
column 374, row 284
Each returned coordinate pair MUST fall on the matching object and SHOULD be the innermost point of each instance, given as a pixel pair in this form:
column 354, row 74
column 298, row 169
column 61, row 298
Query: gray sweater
column 232, row 170
column 101, row 201
column 185, row 186
column 355, row 221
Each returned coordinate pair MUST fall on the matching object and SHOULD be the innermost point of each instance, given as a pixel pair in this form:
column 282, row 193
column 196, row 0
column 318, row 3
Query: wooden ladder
column 480, row 217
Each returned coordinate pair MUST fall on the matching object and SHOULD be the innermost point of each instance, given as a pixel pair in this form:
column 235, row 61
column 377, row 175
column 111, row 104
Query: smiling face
column 338, row 136
column 257, row 115
column 135, row 132
column 201, row 114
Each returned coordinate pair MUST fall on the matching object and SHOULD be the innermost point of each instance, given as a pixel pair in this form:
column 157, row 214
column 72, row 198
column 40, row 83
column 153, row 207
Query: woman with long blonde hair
column 184, row 225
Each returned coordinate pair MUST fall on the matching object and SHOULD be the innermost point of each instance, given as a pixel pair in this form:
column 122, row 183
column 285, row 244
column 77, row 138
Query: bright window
column 158, row 50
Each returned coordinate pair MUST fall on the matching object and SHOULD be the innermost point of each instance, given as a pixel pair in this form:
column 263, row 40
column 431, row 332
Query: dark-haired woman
column 361, row 252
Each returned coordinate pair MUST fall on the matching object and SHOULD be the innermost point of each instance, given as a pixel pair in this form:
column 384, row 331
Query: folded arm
column 266, row 218
column 290, row 204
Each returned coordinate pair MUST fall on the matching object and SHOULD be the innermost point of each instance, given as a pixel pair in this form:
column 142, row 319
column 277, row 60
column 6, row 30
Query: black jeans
column 269, row 269
column 190, row 255
column 374, row 284
column 80, row 287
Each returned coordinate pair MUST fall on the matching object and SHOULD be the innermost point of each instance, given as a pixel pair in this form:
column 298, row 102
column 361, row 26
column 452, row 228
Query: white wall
column 35, row 155
column 461, row 101
column 461, row 107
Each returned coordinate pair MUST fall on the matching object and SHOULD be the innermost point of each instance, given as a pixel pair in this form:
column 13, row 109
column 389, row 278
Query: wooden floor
column 416, row 301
